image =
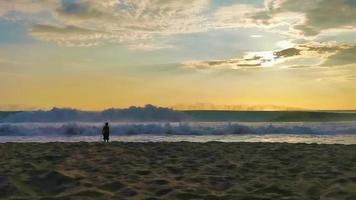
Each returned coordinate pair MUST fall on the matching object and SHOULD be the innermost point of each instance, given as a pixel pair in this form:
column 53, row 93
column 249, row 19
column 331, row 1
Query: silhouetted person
column 106, row 132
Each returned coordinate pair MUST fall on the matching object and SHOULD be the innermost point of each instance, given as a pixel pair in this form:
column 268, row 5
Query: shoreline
column 174, row 142
column 347, row 139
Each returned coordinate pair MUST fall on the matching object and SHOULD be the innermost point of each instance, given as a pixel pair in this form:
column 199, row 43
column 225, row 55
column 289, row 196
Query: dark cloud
column 215, row 63
column 324, row 48
column 320, row 15
column 342, row 57
column 287, row 53
column 73, row 7
column 249, row 65
column 83, row 10
column 331, row 54
column 255, row 57
column 298, row 67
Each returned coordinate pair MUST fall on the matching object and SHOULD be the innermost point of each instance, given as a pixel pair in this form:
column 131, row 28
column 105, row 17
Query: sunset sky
column 92, row 54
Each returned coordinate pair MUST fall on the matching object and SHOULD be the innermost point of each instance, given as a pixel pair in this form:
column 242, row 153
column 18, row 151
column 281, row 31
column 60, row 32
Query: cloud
column 24, row 6
column 67, row 36
column 6, row 62
column 300, row 56
column 313, row 54
column 351, row 78
column 142, row 24
column 346, row 56
column 251, row 60
column 16, row 107
column 91, row 22
column 240, row 15
column 209, row 106
column 290, row 52
column 322, row 15
column 306, row 17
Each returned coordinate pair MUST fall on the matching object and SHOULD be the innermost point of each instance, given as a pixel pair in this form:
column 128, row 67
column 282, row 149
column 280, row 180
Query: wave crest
column 192, row 128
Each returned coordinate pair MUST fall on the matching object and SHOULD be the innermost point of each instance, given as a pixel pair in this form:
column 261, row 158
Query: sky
column 92, row 55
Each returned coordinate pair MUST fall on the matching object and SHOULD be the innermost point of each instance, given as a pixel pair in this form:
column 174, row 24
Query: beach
column 177, row 170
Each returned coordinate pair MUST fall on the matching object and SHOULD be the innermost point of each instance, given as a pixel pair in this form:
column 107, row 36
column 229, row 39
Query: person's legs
column 106, row 138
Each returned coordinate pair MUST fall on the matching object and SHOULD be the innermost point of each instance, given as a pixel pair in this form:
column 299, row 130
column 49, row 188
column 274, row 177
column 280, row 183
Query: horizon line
column 183, row 110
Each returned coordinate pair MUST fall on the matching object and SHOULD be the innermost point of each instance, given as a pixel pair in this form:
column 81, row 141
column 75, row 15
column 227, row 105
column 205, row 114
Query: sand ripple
column 183, row 170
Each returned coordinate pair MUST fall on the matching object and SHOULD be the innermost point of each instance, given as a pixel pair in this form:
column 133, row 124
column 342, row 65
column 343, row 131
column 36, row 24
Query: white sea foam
column 189, row 128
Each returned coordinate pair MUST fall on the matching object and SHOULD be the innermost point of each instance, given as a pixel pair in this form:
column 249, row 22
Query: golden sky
column 93, row 55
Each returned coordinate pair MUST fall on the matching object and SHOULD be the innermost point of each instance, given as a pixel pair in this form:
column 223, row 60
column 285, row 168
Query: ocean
column 290, row 132
column 273, row 138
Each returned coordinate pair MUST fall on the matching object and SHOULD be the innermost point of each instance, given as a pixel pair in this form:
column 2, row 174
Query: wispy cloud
column 351, row 78
column 16, row 107
column 142, row 24
column 209, row 106
column 67, row 36
column 134, row 23
column 303, row 17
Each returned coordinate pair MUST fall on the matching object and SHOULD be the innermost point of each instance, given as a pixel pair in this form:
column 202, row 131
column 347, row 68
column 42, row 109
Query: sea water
column 291, row 132
column 278, row 138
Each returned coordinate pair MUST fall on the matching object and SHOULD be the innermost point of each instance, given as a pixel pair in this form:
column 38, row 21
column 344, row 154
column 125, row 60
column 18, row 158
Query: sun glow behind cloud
column 121, row 52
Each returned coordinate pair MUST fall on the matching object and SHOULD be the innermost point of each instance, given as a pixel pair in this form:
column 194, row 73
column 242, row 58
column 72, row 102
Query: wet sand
column 183, row 170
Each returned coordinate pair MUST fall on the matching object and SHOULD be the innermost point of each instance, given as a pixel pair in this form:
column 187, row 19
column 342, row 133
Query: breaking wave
column 189, row 128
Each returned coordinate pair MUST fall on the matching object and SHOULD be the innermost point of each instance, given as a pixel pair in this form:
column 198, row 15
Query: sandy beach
column 183, row 170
